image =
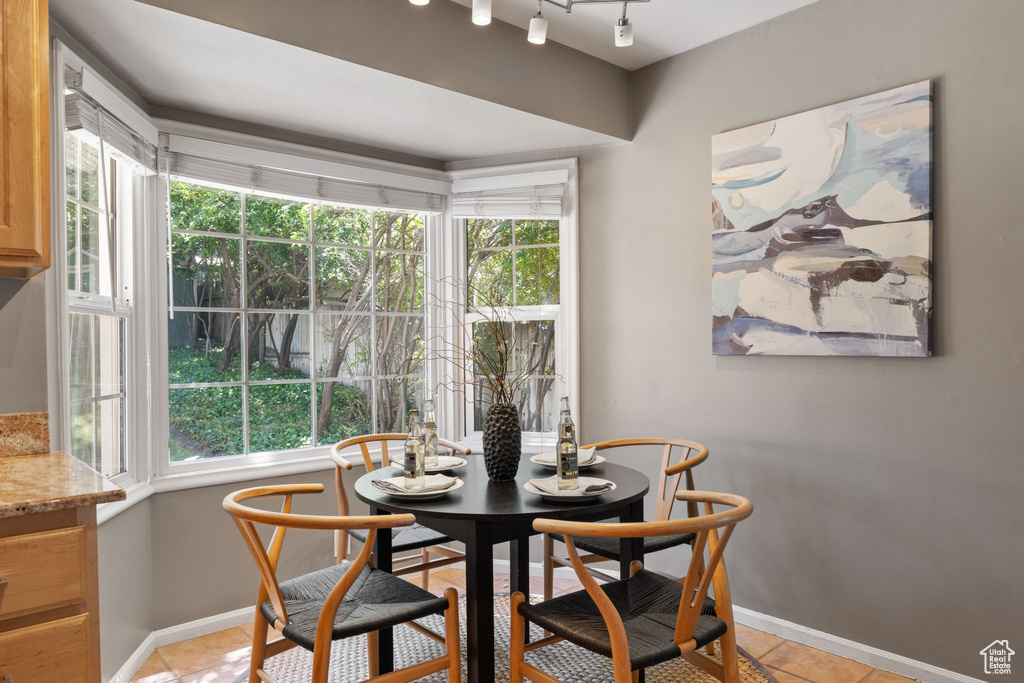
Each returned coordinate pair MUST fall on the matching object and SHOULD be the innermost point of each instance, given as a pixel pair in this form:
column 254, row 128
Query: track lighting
column 481, row 12
column 538, row 27
column 538, row 33
column 623, row 33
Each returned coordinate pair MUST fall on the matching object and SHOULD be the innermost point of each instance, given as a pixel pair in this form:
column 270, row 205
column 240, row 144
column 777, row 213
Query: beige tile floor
column 223, row 656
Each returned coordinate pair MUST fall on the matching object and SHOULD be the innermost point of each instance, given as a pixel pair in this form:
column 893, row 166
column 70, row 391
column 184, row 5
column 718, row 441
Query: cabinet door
column 24, row 138
column 53, row 652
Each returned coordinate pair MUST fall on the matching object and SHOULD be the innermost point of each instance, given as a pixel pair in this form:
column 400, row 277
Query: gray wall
column 201, row 566
column 887, row 491
column 22, row 345
column 126, row 585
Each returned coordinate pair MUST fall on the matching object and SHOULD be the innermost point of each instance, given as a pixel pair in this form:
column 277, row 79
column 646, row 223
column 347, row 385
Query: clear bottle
column 429, row 434
column 568, row 464
column 414, row 476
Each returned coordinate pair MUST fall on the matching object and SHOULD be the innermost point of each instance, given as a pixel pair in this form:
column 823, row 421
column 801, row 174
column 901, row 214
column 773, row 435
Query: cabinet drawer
column 47, row 653
column 41, row 570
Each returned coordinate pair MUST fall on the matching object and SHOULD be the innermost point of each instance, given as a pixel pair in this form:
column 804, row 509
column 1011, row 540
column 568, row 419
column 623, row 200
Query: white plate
column 423, row 495
column 455, row 464
column 539, row 460
column 569, row 496
column 446, row 463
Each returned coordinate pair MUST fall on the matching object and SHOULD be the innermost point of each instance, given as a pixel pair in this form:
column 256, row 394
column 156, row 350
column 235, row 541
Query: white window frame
column 254, row 151
column 459, row 404
column 60, row 302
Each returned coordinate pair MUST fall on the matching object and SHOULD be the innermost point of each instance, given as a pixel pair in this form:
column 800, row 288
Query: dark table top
column 481, row 499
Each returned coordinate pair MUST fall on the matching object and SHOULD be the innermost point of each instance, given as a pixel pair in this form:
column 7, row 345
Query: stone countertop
column 51, row 481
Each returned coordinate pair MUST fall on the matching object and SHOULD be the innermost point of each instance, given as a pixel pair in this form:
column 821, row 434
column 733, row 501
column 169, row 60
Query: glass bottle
column 429, row 434
column 414, row 477
column 568, row 465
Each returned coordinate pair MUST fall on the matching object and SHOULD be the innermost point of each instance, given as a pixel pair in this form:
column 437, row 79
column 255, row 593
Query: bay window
column 222, row 308
column 294, row 323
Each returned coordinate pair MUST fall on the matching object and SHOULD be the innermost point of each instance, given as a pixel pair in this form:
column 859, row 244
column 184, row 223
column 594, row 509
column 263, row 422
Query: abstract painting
column 821, row 230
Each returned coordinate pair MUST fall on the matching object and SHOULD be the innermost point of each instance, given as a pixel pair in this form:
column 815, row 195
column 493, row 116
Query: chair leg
column 518, row 645
column 321, row 661
column 549, row 567
column 260, row 628
column 372, row 654
column 425, row 574
column 451, row 636
column 730, row 657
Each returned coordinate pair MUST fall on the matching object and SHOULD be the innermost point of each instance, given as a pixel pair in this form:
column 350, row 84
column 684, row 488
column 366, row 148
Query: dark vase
column 503, row 442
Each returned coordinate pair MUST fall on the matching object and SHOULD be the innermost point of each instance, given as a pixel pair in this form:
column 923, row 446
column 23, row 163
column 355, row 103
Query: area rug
column 563, row 660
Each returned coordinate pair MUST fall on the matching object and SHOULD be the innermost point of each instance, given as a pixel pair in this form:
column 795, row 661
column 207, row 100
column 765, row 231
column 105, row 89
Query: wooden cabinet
column 24, row 138
column 49, row 627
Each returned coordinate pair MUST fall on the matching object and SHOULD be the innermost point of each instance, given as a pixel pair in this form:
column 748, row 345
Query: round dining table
column 482, row 513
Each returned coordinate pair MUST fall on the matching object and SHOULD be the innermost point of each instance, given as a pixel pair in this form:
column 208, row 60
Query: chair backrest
column 382, row 440
column 712, row 530
column 266, row 558
column 341, row 463
column 677, row 461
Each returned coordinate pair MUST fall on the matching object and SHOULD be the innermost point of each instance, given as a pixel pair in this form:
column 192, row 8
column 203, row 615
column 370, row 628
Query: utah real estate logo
column 997, row 657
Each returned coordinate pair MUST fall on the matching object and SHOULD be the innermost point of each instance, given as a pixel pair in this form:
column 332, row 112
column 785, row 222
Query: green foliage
column 207, row 422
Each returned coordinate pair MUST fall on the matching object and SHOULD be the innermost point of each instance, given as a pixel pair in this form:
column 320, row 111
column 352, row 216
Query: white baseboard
column 865, row 654
column 176, row 634
column 849, row 649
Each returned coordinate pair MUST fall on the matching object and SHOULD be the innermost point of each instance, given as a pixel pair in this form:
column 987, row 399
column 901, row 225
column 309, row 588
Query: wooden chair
column 416, row 537
column 648, row 618
column 340, row 601
column 689, row 454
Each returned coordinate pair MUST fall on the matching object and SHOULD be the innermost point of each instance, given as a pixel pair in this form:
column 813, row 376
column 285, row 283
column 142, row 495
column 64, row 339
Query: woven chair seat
column 407, row 537
column 376, row 600
column 610, row 548
column 648, row 604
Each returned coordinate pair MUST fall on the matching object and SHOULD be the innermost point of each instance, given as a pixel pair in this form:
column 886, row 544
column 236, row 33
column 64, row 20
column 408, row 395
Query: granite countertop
column 51, row 481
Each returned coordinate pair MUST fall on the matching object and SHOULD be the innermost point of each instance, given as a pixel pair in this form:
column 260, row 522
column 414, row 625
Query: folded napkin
column 584, row 456
column 447, row 461
column 589, row 486
column 431, row 484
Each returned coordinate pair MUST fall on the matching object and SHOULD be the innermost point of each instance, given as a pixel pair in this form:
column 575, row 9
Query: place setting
column 589, row 487
column 434, row 486
column 587, row 457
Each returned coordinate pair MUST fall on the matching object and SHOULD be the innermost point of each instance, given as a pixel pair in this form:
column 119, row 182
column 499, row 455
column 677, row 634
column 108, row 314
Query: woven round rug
column 564, row 660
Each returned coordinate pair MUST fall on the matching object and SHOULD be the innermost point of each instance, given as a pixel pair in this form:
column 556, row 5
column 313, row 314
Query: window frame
column 133, row 195
column 299, row 457
column 459, row 404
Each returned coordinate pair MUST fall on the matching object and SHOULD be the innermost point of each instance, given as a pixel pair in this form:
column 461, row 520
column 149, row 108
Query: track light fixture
column 623, row 30
column 539, row 25
column 481, row 12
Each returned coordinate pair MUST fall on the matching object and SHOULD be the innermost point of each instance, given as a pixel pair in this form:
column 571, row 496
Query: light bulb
column 538, row 30
column 420, row 2
column 481, row 12
column 623, row 33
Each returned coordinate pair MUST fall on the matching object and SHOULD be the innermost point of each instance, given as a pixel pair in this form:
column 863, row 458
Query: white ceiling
column 661, row 28
column 183, row 63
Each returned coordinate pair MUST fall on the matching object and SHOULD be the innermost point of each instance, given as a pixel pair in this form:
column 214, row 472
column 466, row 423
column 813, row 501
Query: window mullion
column 243, row 319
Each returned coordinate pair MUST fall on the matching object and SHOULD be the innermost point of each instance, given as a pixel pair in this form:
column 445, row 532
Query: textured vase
column 503, row 442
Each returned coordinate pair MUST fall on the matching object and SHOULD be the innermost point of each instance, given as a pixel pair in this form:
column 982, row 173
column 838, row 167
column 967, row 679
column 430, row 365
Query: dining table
column 482, row 513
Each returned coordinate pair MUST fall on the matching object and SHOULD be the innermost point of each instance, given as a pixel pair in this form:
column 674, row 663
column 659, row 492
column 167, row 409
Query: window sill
column 140, row 491
column 137, row 492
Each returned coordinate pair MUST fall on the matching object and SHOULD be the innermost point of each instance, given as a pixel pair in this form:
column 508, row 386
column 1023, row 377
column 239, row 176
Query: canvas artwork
column 821, row 241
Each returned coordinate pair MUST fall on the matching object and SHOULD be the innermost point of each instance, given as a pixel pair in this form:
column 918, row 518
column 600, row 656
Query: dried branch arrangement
column 490, row 355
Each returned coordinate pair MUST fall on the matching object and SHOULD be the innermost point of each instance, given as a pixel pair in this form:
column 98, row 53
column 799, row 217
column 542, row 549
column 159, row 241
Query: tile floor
column 223, row 656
